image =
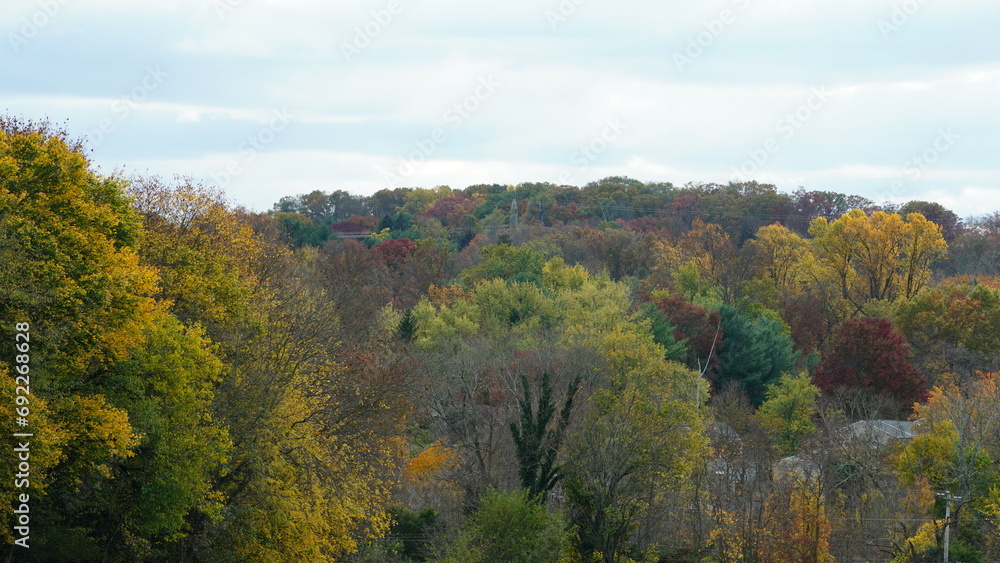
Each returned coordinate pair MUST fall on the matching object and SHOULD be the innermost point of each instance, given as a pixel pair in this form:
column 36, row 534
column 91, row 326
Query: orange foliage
column 429, row 463
column 446, row 296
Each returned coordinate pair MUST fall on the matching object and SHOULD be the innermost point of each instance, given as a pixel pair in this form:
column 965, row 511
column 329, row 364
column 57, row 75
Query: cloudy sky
column 891, row 99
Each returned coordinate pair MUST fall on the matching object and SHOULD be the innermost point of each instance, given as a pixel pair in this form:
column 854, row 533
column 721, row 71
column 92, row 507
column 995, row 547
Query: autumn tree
column 954, row 329
column 867, row 356
column 783, row 257
column 878, row 257
column 68, row 244
column 357, row 282
column 71, row 272
column 506, row 262
column 477, row 345
column 307, row 474
column 789, row 411
column 804, row 536
column 394, row 252
column 956, row 449
column 738, row 480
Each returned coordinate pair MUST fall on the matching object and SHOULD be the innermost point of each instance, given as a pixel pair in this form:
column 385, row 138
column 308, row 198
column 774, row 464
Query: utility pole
column 948, row 498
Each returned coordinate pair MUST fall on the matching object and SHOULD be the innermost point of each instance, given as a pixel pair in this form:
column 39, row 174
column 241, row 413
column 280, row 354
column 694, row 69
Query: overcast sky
column 894, row 100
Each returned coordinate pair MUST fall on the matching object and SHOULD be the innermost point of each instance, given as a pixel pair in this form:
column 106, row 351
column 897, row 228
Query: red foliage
column 686, row 207
column 357, row 282
column 450, row 210
column 807, row 319
column 868, row 355
column 356, row 224
column 394, row 252
column 562, row 213
column 695, row 324
column 647, row 224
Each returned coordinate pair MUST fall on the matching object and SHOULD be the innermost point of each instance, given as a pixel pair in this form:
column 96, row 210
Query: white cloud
column 230, row 69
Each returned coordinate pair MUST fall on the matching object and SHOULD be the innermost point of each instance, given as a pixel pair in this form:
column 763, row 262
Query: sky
column 894, row 100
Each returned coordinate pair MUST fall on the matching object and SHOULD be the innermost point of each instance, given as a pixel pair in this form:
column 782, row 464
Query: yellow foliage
column 557, row 276
column 204, row 252
column 67, row 254
column 381, row 236
column 880, row 257
column 806, row 537
column 784, row 256
column 429, row 463
column 46, row 449
column 96, row 434
column 925, row 540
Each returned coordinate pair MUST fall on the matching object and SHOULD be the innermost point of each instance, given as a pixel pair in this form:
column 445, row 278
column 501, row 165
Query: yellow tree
column 956, row 449
column 804, row 536
column 313, row 424
column 782, row 256
column 880, row 257
column 925, row 245
column 69, row 271
column 68, row 262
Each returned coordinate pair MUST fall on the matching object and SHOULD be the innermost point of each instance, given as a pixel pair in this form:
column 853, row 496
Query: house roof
column 881, row 430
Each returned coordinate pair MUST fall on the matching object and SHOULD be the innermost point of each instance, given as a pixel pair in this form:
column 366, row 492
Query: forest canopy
column 622, row 371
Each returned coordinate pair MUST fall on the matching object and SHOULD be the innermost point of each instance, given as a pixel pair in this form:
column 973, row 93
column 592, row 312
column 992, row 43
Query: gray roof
column 881, row 430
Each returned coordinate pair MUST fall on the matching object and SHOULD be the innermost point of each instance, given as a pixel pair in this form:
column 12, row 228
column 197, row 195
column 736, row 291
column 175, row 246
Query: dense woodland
column 623, row 371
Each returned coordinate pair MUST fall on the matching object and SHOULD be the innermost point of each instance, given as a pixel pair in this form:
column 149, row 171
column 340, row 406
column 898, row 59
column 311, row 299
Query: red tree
column 695, row 324
column 395, row 251
column 356, row 224
column 450, row 210
column 867, row 355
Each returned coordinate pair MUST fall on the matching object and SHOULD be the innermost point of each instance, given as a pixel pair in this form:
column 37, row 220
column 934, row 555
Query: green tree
column 755, row 354
column 789, row 411
column 537, row 443
column 69, row 268
column 506, row 262
column 642, row 436
column 510, row 527
column 164, row 492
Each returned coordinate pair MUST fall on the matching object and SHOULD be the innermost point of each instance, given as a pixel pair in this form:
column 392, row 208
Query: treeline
column 618, row 372
column 740, row 209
